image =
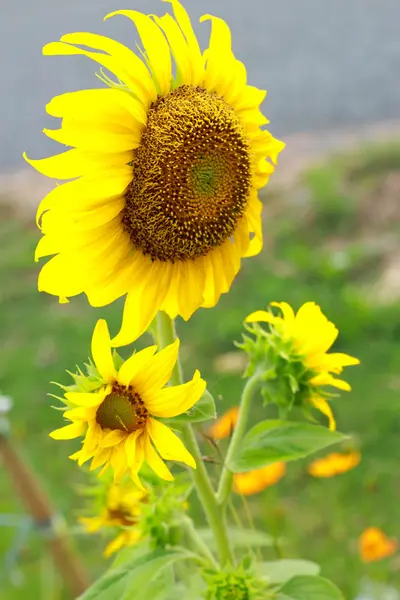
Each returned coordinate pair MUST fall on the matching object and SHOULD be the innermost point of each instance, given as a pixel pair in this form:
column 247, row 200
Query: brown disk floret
column 191, row 177
column 122, row 409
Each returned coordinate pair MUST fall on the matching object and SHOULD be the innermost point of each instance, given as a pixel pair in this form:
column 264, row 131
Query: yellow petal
column 69, row 432
column 74, row 163
column 237, row 84
column 88, row 400
column 101, row 457
column 220, row 66
column 255, row 226
column 155, row 462
column 134, row 364
column 122, row 69
column 168, row 444
column 112, row 438
column 155, row 46
column 132, row 450
column 116, row 544
column 176, row 400
column 88, row 192
column 116, row 109
column 287, row 311
column 312, row 330
column 331, row 362
column 260, row 316
column 157, row 372
column 179, row 48
column 116, row 284
column 118, row 462
column 327, row 379
column 89, row 137
column 133, row 72
column 322, row 405
column 143, row 302
column 196, row 59
column 81, row 414
column 101, row 351
column 60, row 277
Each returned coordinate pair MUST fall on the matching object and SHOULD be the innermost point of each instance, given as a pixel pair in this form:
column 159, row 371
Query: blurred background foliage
column 332, row 238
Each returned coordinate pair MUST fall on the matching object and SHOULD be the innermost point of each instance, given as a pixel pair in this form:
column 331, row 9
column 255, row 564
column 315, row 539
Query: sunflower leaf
column 279, row 571
column 306, row 587
column 137, row 574
column 274, row 441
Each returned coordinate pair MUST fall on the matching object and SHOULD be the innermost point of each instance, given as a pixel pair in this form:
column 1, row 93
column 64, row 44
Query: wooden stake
column 39, row 507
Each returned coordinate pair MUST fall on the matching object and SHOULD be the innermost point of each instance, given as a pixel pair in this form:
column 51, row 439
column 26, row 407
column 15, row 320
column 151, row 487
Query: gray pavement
column 326, row 63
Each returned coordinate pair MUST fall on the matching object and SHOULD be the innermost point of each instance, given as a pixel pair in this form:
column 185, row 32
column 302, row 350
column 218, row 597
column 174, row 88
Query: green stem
column 197, row 541
column 214, row 514
column 226, row 480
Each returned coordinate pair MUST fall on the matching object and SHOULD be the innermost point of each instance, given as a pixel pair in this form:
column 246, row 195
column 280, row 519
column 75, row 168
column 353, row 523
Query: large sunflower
column 166, row 163
column 116, row 418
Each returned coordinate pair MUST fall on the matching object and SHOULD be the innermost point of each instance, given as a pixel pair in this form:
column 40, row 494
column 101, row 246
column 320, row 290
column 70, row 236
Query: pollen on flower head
column 192, row 176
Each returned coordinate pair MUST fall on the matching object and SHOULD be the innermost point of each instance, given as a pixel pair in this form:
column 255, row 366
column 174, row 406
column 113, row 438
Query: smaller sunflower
column 120, row 509
column 116, row 418
column 374, row 545
column 254, row 482
column 333, row 464
column 224, row 426
column 295, row 351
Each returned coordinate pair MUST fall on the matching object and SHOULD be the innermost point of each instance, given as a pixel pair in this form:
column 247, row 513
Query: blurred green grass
column 331, row 239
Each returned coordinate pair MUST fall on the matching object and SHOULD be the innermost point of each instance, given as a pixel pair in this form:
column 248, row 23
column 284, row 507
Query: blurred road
column 326, row 63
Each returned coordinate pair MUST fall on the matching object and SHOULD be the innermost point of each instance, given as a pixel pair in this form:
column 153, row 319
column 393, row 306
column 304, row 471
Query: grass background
column 331, row 239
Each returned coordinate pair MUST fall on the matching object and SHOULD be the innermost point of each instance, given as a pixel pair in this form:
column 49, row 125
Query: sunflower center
column 192, row 177
column 123, row 516
column 122, row 409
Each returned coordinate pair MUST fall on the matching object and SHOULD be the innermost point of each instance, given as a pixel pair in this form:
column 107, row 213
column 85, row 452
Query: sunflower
column 165, row 164
column 298, row 344
column 116, row 417
column 335, row 463
column 120, row 509
column 254, row 482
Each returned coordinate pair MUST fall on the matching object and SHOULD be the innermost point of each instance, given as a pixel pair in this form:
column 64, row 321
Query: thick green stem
column 214, row 514
column 225, row 483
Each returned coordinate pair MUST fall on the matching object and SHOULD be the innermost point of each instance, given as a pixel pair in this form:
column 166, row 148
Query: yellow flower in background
column 121, row 509
column 224, row 426
column 166, row 164
column 307, row 336
column 256, row 481
column 116, row 420
column 375, row 545
column 334, row 464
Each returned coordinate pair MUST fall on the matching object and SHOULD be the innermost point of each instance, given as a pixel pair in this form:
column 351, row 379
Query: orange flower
column 254, row 482
column 224, row 426
column 374, row 545
column 334, row 464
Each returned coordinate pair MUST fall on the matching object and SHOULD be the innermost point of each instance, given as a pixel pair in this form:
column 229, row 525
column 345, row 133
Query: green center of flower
column 123, row 409
column 191, row 177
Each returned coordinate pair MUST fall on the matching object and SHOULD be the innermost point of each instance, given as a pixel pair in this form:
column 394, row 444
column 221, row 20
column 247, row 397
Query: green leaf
column 305, row 587
column 137, row 574
column 239, row 538
column 280, row 571
column 203, row 410
column 273, row 441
